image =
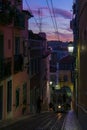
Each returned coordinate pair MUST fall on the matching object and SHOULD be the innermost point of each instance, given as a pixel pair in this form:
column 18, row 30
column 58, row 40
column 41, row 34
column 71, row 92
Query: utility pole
column 40, row 19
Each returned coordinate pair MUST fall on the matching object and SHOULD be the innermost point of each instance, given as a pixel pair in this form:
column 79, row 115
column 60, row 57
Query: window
column 0, row 4
column 1, row 45
column 9, row 95
column 24, row 49
column 9, row 44
column 24, row 93
column 17, row 96
column 17, row 45
column 65, row 78
column 18, row 1
column 19, row 20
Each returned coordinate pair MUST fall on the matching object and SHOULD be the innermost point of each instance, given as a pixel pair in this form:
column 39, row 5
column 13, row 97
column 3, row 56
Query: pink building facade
column 14, row 79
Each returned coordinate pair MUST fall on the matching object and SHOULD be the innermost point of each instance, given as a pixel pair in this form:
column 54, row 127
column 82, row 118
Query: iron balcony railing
column 5, row 68
column 19, row 20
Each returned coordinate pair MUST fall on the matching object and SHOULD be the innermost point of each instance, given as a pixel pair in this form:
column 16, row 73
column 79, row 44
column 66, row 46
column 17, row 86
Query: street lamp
column 51, row 82
column 70, row 47
column 75, row 74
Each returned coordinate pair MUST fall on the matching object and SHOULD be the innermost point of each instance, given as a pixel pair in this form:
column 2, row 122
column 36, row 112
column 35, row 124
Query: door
column 1, row 101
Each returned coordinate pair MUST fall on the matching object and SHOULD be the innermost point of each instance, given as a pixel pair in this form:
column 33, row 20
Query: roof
column 67, row 59
column 35, row 36
column 28, row 13
column 48, row 52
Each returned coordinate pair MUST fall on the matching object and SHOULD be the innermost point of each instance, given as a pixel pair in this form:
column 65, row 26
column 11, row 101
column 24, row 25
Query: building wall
column 83, row 56
column 81, row 61
column 18, row 81
column 68, row 82
column 7, row 31
column 15, row 87
column 39, row 77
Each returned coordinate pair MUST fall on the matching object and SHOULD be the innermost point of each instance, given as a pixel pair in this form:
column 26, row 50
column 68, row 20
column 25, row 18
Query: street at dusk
column 43, row 65
column 46, row 121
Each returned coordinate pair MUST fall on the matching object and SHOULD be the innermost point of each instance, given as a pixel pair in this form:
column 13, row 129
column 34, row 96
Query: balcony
column 74, row 8
column 73, row 24
column 9, row 12
column 18, row 63
column 5, row 10
column 5, row 18
column 19, row 20
column 5, row 68
column 18, row 2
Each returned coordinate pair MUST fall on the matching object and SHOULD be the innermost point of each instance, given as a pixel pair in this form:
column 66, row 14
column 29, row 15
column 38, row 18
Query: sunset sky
column 55, row 24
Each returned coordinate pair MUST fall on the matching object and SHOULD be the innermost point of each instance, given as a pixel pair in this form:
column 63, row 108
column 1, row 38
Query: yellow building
column 80, row 40
column 66, row 74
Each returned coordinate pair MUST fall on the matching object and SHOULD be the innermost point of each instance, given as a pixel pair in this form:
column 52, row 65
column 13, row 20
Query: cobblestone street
column 43, row 121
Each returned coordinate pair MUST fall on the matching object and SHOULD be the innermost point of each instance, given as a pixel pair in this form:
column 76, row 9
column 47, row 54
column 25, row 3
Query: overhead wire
column 51, row 16
column 31, row 13
column 55, row 20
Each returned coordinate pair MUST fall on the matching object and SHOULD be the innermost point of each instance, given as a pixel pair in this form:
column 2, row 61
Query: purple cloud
column 64, row 16
column 63, row 13
column 68, row 29
column 38, row 12
column 58, row 12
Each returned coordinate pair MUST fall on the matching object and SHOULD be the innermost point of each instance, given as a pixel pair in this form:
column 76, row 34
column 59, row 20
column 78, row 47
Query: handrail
column 82, row 108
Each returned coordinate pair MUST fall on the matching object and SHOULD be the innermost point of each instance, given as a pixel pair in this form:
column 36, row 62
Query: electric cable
column 51, row 15
column 31, row 13
column 55, row 20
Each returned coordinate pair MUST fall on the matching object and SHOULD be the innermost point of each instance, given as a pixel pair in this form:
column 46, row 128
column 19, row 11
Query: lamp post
column 52, row 88
column 72, row 51
column 70, row 48
column 50, row 82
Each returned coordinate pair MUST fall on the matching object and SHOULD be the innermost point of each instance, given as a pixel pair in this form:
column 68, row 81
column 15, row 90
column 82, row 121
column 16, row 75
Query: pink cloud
column 62, row 37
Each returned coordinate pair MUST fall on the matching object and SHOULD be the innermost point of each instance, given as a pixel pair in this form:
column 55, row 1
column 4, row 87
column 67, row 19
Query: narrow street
column 43, row 121
column 43, row 65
